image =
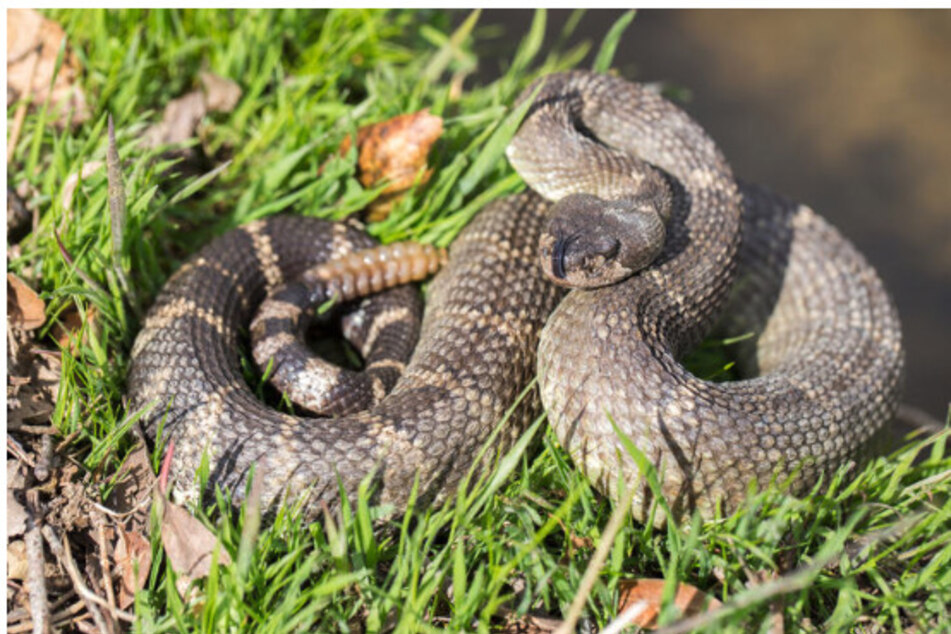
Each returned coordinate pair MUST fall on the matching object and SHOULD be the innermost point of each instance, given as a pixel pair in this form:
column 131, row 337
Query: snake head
column 590, row 242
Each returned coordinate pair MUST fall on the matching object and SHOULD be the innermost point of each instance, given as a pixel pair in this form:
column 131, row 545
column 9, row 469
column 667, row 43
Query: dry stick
column 597, row 562
column 59, row 619
column 38, row 430
column 17, row 450
column 91, row 599
column 86, row 628
column 36, row 563
column 45, row 459
column 20, row 614
column 20, row 115
column 106, row 569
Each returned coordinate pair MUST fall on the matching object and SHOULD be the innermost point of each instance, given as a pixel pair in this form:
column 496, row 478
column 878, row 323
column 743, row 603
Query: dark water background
column 846, row 111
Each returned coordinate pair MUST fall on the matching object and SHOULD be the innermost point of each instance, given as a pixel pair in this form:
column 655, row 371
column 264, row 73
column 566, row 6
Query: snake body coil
column 827, row 360
column 475, row 355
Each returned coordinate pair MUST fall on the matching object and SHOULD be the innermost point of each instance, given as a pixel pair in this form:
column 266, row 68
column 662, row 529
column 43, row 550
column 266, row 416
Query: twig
column 20, row 614
column 116, row 514
column 84, row 627
column 17, row 450
column 39, row 430
column 91, row 599
column 59, row 619
column 45, row 459
column 36, row 564
column 66, row 440
column 618, row 517
column 106, row 569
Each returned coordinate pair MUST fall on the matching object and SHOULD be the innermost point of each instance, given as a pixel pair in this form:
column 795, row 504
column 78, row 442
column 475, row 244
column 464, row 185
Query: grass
column 872, row 551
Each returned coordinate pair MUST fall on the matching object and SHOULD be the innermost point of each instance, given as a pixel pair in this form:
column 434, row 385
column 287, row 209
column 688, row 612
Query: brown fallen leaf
column 688, row 599
column 32, row 385
column 33, row 44
column 221, row 94
column 25, row 310
column 70, row 322
column 394, row 151
column 181, row 116
column 133, row 558
column 179, row 120
column 188, row 543
column 134, row 484
column 17, row 564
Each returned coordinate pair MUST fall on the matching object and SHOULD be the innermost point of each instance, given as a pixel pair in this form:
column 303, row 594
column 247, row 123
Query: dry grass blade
column 117, row 212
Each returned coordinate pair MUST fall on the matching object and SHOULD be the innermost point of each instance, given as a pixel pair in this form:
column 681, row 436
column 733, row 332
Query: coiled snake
column 827, row 359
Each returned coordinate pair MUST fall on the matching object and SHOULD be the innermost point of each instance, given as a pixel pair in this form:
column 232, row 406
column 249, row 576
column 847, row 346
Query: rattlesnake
column 828, row 351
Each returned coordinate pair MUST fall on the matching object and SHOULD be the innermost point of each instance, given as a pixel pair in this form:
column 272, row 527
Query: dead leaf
column 32, row 400
column 394, row 151
column 181, row 116
column 221, row 94
column 17, row 564
column 134, row 483
column 70, row 322
column 179, row 120
column 188, row 543
column 33, row 44
column 688, row 599
column 26, row 310
column 581, row 542
column 133, row 557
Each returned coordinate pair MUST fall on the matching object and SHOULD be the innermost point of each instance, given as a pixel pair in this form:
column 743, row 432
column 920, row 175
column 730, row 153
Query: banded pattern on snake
column 828, row 352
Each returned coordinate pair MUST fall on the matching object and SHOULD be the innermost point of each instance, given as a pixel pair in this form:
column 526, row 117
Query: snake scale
column 826, row 363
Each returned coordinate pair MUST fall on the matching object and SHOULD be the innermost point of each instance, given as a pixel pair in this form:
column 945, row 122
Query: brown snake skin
column 828, row 351
column 383, row 330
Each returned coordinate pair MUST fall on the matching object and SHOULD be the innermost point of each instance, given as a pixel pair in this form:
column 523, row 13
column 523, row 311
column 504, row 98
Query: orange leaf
column 394, row 151
column 688, row 599
column 25, row 309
